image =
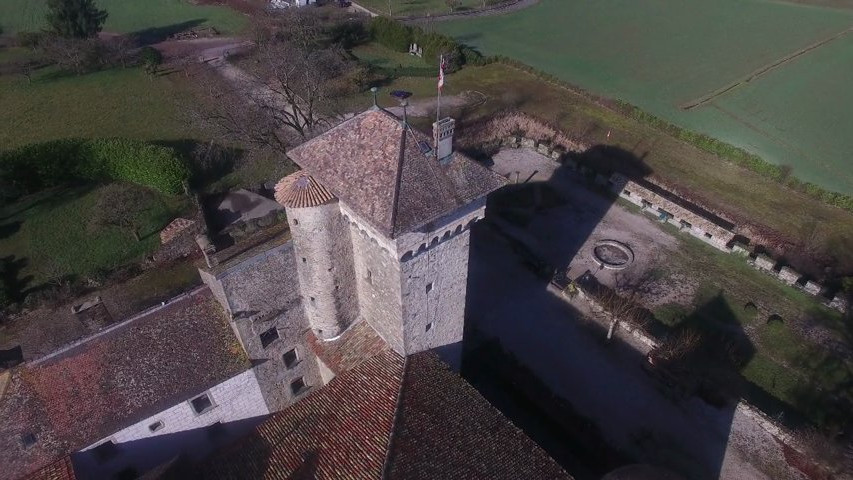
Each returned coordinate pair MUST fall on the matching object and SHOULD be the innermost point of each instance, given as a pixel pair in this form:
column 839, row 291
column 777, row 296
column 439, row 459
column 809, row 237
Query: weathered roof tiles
column 300, row 190
column 373, row 163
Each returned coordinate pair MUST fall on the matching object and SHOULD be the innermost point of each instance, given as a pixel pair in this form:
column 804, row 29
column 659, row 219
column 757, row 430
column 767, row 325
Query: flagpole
column 441, row 73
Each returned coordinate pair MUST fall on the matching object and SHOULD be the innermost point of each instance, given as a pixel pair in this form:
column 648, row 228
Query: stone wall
column 263, row 293
column 434, row 274
column 667, row 207
column 377, row 273
column 516, row 127
column 238, row 406
column 325, row 265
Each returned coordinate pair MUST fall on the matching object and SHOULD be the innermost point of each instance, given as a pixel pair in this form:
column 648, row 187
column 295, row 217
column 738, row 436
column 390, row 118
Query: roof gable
column 388, row 418
column 373, row 162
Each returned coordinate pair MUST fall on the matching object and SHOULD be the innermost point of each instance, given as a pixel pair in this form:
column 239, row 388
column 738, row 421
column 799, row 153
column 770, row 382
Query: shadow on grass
column 13, row 283
column 209, row 162
column 158, row 34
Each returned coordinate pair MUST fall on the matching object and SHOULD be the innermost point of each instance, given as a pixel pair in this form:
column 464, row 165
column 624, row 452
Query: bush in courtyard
column 36, row 166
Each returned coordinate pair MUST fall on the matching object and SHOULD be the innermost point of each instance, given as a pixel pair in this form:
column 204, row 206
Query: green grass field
column 785, row 364
column 127, row 16
column 112, row 103
column 49, row 234
column 405, row 8
column 661, row 55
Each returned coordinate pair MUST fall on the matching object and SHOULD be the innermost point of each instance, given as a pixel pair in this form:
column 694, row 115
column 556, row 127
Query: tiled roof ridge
column 386, row 466
column 395, row 203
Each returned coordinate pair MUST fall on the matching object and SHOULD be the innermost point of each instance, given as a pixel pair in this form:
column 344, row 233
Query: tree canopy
column 75, row 18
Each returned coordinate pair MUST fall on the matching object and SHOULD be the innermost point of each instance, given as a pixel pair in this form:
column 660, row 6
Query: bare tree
column 122, row 206
column 622, row 303
column 293, row 96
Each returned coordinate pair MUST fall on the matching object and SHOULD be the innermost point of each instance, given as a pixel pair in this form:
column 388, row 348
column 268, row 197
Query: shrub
column 36, row 166
column 397, row 36
column 391, row 33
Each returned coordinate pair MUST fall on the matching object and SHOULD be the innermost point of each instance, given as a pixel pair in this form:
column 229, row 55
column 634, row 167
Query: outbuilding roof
column 388, row 418
column 379, row 167
column 73, row 398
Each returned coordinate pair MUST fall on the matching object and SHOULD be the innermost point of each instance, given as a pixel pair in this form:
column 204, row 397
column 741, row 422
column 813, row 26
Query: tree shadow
column 14, row 284
column 209, row 162
column 152, row 35
column 9, row 229
column 675, row 411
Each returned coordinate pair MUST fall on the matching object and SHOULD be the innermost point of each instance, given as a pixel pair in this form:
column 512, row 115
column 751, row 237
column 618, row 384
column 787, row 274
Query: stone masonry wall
column 377, row 273
column 238, row 405
column 263, row 293
column 325, row 266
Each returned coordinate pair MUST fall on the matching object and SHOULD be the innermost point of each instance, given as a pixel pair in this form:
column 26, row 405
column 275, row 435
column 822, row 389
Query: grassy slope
column 785, row 365
column 126, row 16
column 746, row 196
column 659, row 55
column 49, row 233
column 119, row 102
column 403, row 8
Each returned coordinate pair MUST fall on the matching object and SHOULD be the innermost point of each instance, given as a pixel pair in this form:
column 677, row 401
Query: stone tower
column 381, row 226
column 323, row 254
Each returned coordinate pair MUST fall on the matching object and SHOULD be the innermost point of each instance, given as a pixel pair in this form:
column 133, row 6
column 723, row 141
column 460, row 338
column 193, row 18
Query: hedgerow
column 36, row 166
column 398, row 36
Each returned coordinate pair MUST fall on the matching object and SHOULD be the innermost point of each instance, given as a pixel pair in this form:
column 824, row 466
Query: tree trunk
column 613, row 323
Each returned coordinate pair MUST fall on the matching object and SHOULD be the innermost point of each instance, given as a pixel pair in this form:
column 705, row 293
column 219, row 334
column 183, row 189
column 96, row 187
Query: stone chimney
column 443, row 137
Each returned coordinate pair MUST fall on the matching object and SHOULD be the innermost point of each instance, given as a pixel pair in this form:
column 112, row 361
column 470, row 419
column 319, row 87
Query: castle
column 364, row 295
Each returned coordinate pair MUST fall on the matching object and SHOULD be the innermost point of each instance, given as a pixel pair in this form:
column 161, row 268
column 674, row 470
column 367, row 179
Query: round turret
column 323, row 254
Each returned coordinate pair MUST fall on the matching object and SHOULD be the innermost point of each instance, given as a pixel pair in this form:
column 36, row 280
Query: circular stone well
column 612, row 255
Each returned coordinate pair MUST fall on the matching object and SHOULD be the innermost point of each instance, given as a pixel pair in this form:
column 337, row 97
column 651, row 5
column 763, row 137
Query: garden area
column 801, row 349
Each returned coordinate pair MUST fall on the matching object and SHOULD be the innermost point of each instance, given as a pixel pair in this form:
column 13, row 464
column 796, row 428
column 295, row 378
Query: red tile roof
column 388, row 418
column 359, row 342
column 61, row 469
column 374, row 164
column 299, row 190
column 114, row 379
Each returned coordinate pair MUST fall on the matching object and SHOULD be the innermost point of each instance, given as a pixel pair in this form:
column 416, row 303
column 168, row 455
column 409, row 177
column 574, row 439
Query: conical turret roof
column 299, row 190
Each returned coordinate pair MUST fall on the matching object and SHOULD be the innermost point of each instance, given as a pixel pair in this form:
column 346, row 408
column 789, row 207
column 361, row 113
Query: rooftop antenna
column 374, row 91
column 404, row 104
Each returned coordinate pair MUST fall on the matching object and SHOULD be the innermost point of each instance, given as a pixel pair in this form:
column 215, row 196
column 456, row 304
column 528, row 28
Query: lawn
column 786, row 364
column 406, row 8
column 50, row 234
column 128, row 16
column 382, row 57
column 756, row 204
column 661, row 55
column 112, row 103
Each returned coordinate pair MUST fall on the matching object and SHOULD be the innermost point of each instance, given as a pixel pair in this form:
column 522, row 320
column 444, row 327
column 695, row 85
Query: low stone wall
column 516, row 129
column 687, row 217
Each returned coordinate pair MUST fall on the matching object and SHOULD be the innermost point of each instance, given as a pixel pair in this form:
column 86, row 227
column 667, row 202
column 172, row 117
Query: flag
column 441, row 66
